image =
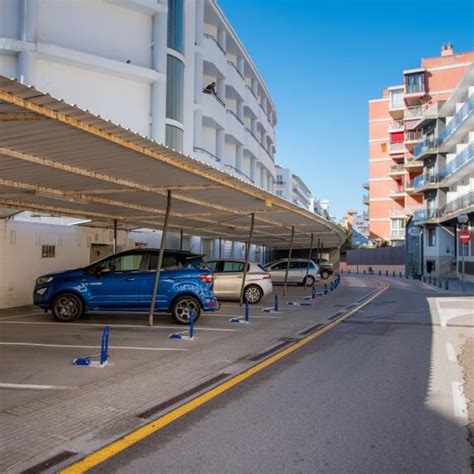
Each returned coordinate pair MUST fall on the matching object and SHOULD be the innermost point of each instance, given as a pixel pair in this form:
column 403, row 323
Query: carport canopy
column 59, row 159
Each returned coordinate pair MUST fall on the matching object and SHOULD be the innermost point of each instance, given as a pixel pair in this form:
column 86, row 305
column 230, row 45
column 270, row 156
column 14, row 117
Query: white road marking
column 65, row 325
column 20, row 316
column 445, row 314
column 27, row 386
column 127, row 348
column 451, row 352
column 235, row 315
column 459, row 402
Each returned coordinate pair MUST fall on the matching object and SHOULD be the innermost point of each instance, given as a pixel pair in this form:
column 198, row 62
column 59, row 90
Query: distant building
column 291, row 187
column 321, row 208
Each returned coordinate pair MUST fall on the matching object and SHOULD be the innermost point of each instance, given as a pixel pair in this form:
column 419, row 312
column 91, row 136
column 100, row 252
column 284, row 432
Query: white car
column 228, row 280
column 300, row 272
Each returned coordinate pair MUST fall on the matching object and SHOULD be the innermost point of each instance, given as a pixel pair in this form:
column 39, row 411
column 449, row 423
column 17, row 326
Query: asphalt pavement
column 379, row 393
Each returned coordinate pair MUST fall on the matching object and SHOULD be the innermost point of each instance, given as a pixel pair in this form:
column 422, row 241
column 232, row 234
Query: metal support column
column 220, row 247
column 181, row 239
column 114, row 243
column 309, row 255
column 247, row 253
column 289, row 259
column 160, row 259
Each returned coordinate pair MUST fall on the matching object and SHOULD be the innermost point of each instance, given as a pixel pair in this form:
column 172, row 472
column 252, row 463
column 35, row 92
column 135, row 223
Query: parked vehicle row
column 188, row 284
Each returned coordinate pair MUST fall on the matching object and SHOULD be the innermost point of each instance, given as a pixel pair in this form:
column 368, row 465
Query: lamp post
column 462, row 219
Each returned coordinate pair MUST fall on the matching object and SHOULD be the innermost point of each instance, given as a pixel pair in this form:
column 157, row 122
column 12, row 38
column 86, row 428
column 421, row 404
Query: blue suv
column 124, row 282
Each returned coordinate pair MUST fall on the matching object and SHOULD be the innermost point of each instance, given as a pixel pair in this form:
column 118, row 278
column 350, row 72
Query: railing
column 395, row 147
column 258, row 141
column 409, row 185
column 461, row 159
column 212, row 38
column 208, row 153
column 412, row 136
column 251, row 90
column 425, row 214
column 397, row 169
column 240, row 173
column 460, row 202
column 413, row 112
column 396, row 125
column 235, row 115
column 396, row 190
column 365, row 199
column 424, row 179
column 397, row 234
column 414, row 88
column 425, row 146
column 403, row 211
column 215, row 97
column 236, row 68
column 458, row 119
column 410, row 161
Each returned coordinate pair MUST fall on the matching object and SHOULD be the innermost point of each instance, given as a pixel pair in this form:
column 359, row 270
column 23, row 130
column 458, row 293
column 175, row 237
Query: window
column 174, row 138
column 176, row 25
column 415, row 83
column 123, row 263
column 174, row 89
column 279, row 266
column 170, row 262
column 48, row 251
column 298, row 265
column 213, row 266
column 432, row 237
column 396, row 99
column 233, row 267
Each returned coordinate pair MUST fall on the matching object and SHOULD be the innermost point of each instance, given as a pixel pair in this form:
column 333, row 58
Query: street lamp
column 462, row 219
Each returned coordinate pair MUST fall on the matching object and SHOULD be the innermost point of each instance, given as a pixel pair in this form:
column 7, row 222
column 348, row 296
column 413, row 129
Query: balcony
column 425, row 214
column 214, row 53
column 396, row 126
column 236, row 172
column 365, row 199
column 459, row 118
column 411, row 163
column 396, row 170
column 426, row 181
column 214, row 109
column 366, row 186
column 396, row 105
column 397, row 192
column 414, row 87
column 398, row 212
column 409, row 187
column 412, row 113
column 207, row 155
column 460, row 203
column 460, row 161
column 413, row 136
column 427, row 147
column 397, row 234
column 234, row 67
column 396, row 148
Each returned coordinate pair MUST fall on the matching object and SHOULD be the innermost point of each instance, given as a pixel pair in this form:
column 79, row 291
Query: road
column 375, row 394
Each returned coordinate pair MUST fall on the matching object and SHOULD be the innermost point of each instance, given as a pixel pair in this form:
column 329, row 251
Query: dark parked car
column 326, row 268
column 124, row 282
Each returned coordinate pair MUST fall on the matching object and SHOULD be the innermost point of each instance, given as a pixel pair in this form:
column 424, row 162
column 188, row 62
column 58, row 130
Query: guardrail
column 425, row 146
column 413, row 112
column 458, row 119
column 239, row 172
column 230, row 63
column 212, row 38
column 235, row 115
column 461, row 159
column 208, row 153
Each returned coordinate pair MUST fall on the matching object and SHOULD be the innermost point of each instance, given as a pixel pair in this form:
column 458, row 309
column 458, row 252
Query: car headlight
column 43, row 280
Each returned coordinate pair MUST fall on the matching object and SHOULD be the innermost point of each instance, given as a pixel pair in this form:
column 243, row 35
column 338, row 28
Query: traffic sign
column 465, row 236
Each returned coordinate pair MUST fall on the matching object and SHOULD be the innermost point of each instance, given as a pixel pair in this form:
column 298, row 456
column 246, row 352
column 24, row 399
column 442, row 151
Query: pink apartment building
column 393, row 119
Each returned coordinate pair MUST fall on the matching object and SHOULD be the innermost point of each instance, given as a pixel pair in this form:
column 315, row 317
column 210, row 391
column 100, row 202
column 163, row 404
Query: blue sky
column 322, row 60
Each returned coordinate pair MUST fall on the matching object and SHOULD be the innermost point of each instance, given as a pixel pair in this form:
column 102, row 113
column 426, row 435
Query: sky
column 322, row 60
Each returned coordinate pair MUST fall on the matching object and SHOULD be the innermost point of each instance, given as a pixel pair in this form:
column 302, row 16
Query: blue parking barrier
column 276, row 303
column 104, row 347
column 187, row 335
column 103, row 355
column 247, row 311
column 326, row 289
column 242, row 319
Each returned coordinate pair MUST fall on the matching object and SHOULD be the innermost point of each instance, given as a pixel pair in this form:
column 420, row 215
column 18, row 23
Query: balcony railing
column 208, row 153
column 413, row 135
column 215, row 97
column 230, row 63
column 397, row 234
column 212, row 38
column 397, row 190
column 396, row 148
column 413, row 112
column 461, row 159
column 411, row 162
column 425, row 214
column 365, row 199
column 396, row 125
column 458, row 119
column 461, row 202
column 397, row 169
column 404, row 211
column 235, row 115
column 251, row 90
column 409, row 185
column 234, row 170
column 425, row 179
column 425, row 146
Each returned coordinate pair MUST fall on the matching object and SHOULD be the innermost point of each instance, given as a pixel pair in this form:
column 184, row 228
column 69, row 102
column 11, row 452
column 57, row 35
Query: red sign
column 465, row 236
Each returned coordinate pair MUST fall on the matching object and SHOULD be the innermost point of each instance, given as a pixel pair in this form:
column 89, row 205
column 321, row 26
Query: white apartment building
column 145, row 64
column 447, row 181
column 291, row 187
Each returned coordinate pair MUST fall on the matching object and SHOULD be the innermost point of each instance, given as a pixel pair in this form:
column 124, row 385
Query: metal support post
column 289, row 259
column 247, row 252
column 220, row 247
column 181, row 237
column 160, row 259
column 309, row 256
column 114, row 243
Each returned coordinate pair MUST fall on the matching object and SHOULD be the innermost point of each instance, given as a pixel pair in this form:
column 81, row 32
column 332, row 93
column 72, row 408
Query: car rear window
column 233, row 267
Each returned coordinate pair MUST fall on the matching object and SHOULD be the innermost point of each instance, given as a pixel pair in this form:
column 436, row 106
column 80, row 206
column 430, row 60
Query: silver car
column 228, row 280
column 296, row 272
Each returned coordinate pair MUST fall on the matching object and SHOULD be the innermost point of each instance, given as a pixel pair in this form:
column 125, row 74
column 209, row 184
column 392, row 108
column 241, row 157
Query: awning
column 60, row 159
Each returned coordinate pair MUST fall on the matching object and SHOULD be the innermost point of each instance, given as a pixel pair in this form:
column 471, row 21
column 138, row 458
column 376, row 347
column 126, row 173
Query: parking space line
column 233, row 315
column 20, row 316
column 101, row 325
column 28, row 386
column 127, row 348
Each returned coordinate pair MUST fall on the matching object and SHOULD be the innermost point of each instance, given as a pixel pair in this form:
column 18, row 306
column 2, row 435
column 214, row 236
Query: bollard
column 380, row 272
column 247, row 311
column 364, row 272
column 325, row 289
column 386, row 273
column 276, row 303
column 400, row 274
column 393, row 273
column 446, row 284
column 313, row 293
column 104, row 347
column 191, row 323
column 342, row 270
column 349, row 271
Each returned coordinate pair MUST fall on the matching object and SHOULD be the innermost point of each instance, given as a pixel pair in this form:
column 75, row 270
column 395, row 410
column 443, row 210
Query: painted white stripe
column 127, row 348
column 139, row 326
column 459, row 402
column 27, row 386
column 451, row 352
column 20, row 316
column 235, row 315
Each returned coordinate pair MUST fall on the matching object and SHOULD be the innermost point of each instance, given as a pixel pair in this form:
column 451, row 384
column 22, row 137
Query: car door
column 113, row 283
column 230, row 278
column 277, row 272
column 297, row 271
column 168, row 276
column 215, row 266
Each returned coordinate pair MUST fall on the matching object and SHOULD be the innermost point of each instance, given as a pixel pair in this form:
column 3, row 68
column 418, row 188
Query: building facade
column 291, row 187
column 447, row 182
column 171, row 70
column 394, row 132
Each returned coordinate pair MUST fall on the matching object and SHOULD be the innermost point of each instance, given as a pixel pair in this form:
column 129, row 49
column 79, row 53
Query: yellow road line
column 101, row 455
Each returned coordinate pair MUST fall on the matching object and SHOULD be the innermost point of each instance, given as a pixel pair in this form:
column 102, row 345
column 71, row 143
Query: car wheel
column 309, row 281
column 67, row 307
column 253, row 294
column 324, row 274
column 182, row 307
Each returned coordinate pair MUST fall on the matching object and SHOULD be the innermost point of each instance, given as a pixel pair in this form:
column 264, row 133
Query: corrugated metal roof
column 55, row 157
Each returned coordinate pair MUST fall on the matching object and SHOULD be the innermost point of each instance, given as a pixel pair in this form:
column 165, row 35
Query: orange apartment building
column 393, row 135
